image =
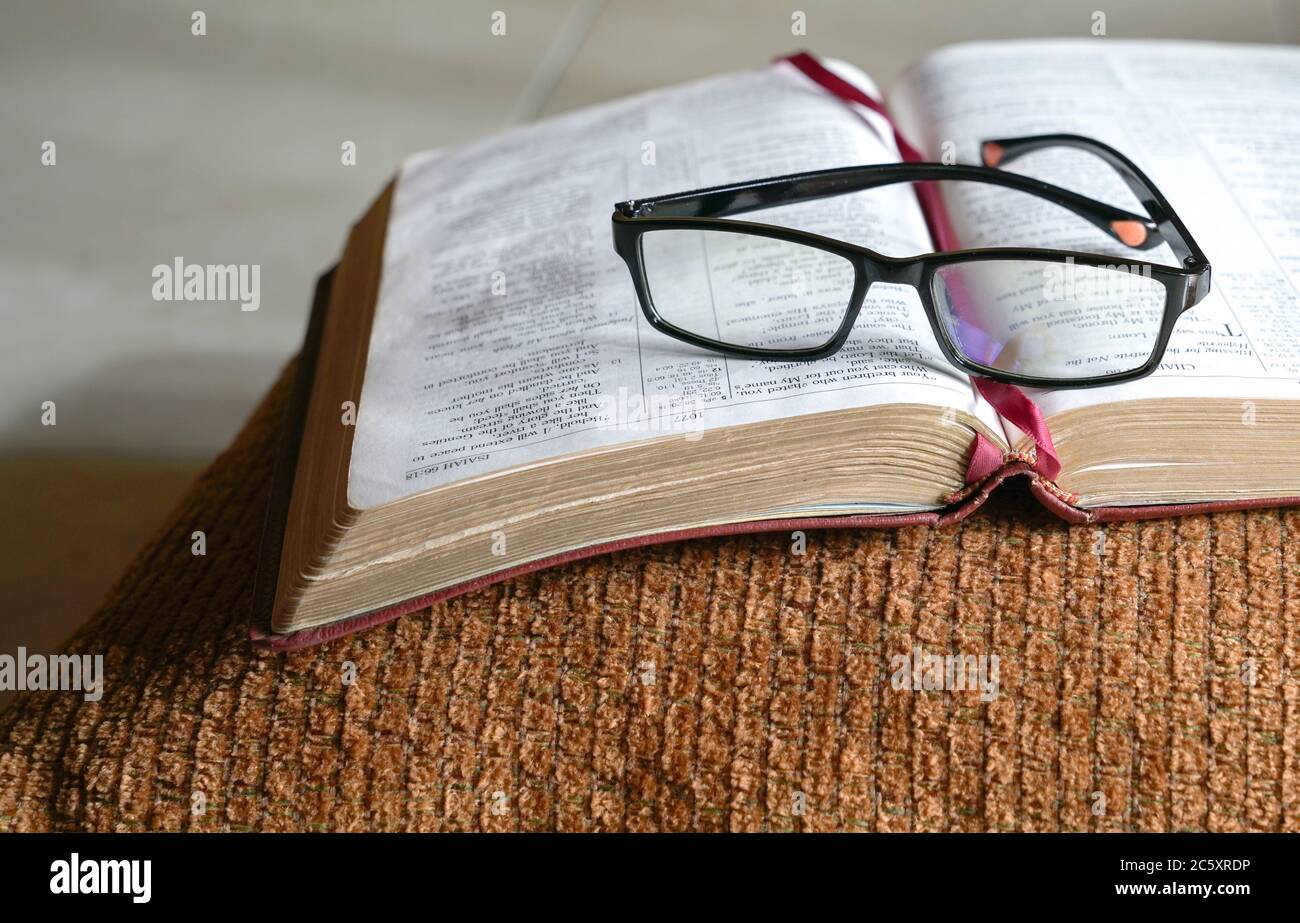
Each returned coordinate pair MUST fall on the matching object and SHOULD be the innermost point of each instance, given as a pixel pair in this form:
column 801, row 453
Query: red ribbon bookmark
column 817, row 72
column 1016, row 407
column 1008, row 400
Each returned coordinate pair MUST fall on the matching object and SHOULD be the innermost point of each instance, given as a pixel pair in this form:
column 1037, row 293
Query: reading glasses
column 1038, row 317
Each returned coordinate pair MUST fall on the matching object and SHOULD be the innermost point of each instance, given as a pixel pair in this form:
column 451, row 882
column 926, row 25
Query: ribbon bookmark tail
column 1016, row 407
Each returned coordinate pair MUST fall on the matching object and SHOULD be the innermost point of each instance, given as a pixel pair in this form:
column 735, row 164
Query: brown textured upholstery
column 715, row 684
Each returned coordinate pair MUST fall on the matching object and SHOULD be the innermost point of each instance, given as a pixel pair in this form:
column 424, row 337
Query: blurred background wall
column 226, row 148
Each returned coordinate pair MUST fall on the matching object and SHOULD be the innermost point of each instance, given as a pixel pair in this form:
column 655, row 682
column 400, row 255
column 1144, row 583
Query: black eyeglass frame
column 704, row 209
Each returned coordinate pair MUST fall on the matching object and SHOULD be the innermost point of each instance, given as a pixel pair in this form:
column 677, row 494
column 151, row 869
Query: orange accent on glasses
column 1132, row 233
column 992, row 153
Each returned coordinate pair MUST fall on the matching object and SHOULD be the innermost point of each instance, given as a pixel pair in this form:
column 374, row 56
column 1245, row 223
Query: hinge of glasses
column 634, row 209
column 1198, row 288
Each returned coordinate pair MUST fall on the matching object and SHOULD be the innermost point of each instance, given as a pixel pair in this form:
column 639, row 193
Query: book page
column 1216, row 128
column 508, row 332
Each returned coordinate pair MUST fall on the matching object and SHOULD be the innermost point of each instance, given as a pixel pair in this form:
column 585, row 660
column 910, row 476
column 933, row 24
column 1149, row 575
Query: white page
column 507, row 330
column 1216, row 127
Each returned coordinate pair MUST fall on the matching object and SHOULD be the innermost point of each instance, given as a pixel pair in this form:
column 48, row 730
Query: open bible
column 480, row 394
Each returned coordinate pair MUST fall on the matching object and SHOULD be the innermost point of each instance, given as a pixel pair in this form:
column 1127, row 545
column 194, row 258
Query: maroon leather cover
column 969, row 500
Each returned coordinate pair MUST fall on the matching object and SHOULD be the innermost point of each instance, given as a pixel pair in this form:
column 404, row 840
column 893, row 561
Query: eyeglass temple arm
column 720, row 201
column 998, row 152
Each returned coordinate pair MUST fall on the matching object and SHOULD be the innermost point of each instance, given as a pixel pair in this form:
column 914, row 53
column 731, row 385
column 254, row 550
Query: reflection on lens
column 1050, row 319
column 745, row 290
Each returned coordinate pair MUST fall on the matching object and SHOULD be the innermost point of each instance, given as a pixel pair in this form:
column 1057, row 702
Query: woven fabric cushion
column 1147, row 680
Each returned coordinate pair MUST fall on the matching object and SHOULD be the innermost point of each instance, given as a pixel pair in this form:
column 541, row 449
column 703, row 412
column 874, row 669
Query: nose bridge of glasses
column 893, row 270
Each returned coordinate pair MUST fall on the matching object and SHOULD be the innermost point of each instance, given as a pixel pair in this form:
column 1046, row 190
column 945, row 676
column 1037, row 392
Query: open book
column 481, row 395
